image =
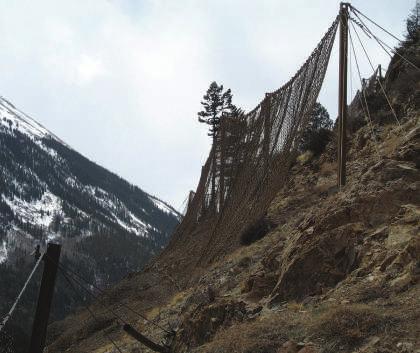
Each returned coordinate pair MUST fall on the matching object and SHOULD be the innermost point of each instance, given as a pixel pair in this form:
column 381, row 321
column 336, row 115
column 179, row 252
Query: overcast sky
column 121, row 80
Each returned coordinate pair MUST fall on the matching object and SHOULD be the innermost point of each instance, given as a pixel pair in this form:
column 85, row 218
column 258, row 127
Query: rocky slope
column 337, row 270
column 50, row 192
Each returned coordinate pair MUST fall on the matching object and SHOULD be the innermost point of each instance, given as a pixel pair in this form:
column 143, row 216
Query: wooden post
column 342, row 95
column 203, row 199
column 190, row 199
column 265, row 112
column 213, row 152
column 144, row 340
column 222, row 162
column 46, row 291
column 380, row 71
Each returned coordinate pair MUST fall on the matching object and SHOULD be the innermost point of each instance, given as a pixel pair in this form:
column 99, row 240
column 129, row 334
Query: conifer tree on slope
column 216, row 103
column 413, row 23
column 318, row 132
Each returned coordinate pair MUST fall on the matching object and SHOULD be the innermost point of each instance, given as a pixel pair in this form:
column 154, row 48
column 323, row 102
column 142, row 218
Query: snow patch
column 52, row 237
column 37, row 212
column 163, row 206
column 3, row 252
column 130, row 228
column 53, row 153
column 131, row 223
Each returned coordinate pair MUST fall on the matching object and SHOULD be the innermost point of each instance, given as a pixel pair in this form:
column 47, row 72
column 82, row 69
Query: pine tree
column 216, row 104
column 318, row 133
column 413, row 23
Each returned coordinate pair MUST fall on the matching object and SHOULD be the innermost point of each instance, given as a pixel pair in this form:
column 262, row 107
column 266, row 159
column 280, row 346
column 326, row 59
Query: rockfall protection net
column 252, row 154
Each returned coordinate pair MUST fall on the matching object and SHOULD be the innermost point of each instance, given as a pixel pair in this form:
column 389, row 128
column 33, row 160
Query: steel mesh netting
column 6, row 343
column 251, row 156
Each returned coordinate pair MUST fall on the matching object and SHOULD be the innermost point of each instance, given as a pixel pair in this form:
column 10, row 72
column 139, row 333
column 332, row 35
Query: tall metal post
column 46, row 291
column 342, row 94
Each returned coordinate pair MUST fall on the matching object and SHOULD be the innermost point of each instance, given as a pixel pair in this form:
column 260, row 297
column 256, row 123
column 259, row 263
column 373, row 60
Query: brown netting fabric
column 250, row 159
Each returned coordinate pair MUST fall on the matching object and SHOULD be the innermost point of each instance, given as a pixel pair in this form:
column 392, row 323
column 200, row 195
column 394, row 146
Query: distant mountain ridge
column 50, row 192
column 79, row 188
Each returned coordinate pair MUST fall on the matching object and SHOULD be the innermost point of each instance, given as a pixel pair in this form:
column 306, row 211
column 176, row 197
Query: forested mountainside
column 49, row 192
column 324, row 271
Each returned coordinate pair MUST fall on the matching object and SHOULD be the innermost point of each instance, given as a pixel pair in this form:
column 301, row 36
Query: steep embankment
column 337, row 270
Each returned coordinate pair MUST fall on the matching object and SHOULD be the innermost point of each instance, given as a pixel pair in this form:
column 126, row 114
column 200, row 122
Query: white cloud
column 121, row 80
column 88, row 69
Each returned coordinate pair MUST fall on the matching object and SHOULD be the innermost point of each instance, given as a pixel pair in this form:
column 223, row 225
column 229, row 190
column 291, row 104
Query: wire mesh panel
column 251, row 156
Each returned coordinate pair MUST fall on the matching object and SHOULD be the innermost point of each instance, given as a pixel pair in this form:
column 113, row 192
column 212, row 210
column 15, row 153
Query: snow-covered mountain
column 48, row 191
column 38, row 171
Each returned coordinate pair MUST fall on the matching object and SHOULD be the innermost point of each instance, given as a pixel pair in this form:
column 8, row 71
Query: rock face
column 317, row 265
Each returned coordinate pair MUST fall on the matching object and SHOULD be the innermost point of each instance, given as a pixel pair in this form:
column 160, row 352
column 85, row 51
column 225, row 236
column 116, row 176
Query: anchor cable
column 367, row 115
column 380, row 83
column 382, row 44
column 74, row 273
column 376, row 24
column 95, row 318
column 12, row 309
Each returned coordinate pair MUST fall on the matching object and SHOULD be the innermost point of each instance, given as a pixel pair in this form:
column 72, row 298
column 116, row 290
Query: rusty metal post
column 342, row 95
column 46, row 291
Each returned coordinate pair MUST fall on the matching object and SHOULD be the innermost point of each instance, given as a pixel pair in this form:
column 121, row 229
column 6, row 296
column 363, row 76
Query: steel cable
column 381, row 43
column 367, row 116
column 12, row 309
column 74, row 273
column 377, row 25
column 89, row 310
column 373, row 69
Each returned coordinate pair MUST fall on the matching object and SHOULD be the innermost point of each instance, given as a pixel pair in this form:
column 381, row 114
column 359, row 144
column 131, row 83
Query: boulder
column 319, row 262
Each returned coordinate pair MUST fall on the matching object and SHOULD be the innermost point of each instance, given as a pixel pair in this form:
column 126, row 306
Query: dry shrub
column 256, row 231
column 305, row 157
column 326, row 186
column 347, row 326
column 294, row 306
column 261, row 336
column 178, row 298
column 328, row 168
column 154, row 313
